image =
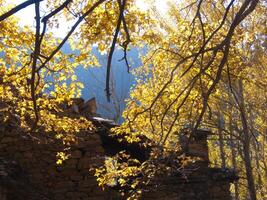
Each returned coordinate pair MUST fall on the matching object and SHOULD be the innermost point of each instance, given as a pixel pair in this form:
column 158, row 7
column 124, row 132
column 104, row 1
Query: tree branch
column 18, row 8
column 112, row 48
column 34, row 63
column 70, row 33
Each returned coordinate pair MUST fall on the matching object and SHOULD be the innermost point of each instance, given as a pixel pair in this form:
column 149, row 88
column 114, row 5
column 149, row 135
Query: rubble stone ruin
column 28, row 169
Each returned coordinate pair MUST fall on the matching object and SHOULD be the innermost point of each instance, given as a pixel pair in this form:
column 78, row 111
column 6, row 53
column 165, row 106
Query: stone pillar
column 195, row 144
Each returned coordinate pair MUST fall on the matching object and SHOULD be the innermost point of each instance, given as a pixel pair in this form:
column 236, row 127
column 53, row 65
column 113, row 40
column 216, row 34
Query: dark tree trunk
column 220, row 130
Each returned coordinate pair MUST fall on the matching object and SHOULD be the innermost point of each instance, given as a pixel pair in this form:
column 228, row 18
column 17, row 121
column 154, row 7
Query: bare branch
column 18, row 8
column 71, row 32
column 53, row 13
column 125, row 44
column 34, row 62
column 112, row 48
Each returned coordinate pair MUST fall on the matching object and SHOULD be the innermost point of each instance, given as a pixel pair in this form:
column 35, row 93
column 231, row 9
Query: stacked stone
column 70, row 180
column 198, row 181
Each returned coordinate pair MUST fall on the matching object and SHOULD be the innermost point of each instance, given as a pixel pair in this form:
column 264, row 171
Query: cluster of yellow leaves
column 132, row 177
column 56, row 83
column 61, row 156
column 159, row 109
column 168, row 96
column 120, row 170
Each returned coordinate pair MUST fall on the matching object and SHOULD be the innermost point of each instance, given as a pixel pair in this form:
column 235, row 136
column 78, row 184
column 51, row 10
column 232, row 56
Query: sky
column 27, row 18
column 27, row 15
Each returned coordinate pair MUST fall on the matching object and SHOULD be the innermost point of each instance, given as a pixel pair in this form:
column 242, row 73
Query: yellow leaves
column 80, row 85
column 162, row 94
column 62, row 78
column 74, row 77
column 133, row 186
column 59, row 162
column 101, row 48
column 118, row 172
column 61, row 157
column 61, row 125
column 81, row 57
column 122, row 181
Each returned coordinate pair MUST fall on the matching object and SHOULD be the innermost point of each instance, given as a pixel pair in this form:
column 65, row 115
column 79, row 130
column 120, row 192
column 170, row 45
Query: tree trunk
column 246, row 143
column 234, row 154
column 257, row 153
column 220, row 128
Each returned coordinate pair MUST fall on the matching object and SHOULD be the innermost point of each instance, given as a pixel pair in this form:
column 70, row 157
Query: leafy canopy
column 195, row 56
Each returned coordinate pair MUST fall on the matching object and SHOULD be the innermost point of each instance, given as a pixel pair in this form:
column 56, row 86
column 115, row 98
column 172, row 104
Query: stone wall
column 200, row 181
column 29, row 169
column 37, row 158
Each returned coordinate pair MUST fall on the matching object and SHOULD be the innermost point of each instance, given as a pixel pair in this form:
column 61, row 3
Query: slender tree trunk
column 234, row 154
column 257, row 152
column 220, row 128
column 264, row 155
column 246, row 143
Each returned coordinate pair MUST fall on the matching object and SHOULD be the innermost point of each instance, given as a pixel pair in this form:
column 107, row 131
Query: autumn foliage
column 204, row 67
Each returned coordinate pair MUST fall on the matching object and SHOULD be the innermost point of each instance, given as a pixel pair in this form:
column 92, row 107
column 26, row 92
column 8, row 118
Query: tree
column 192, row 57
column 194, row 53
column 41, row 68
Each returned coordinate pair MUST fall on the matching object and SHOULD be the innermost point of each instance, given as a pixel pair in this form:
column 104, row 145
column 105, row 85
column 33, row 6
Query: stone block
column 64, row 185
column 76, row 177
column 76, row 154
column 71, row 162
column 9, row 140
column 25, row 147
column 85, row 163
column 76, row 195
column 89, row 183
column 3, row 146
column 60, row 197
